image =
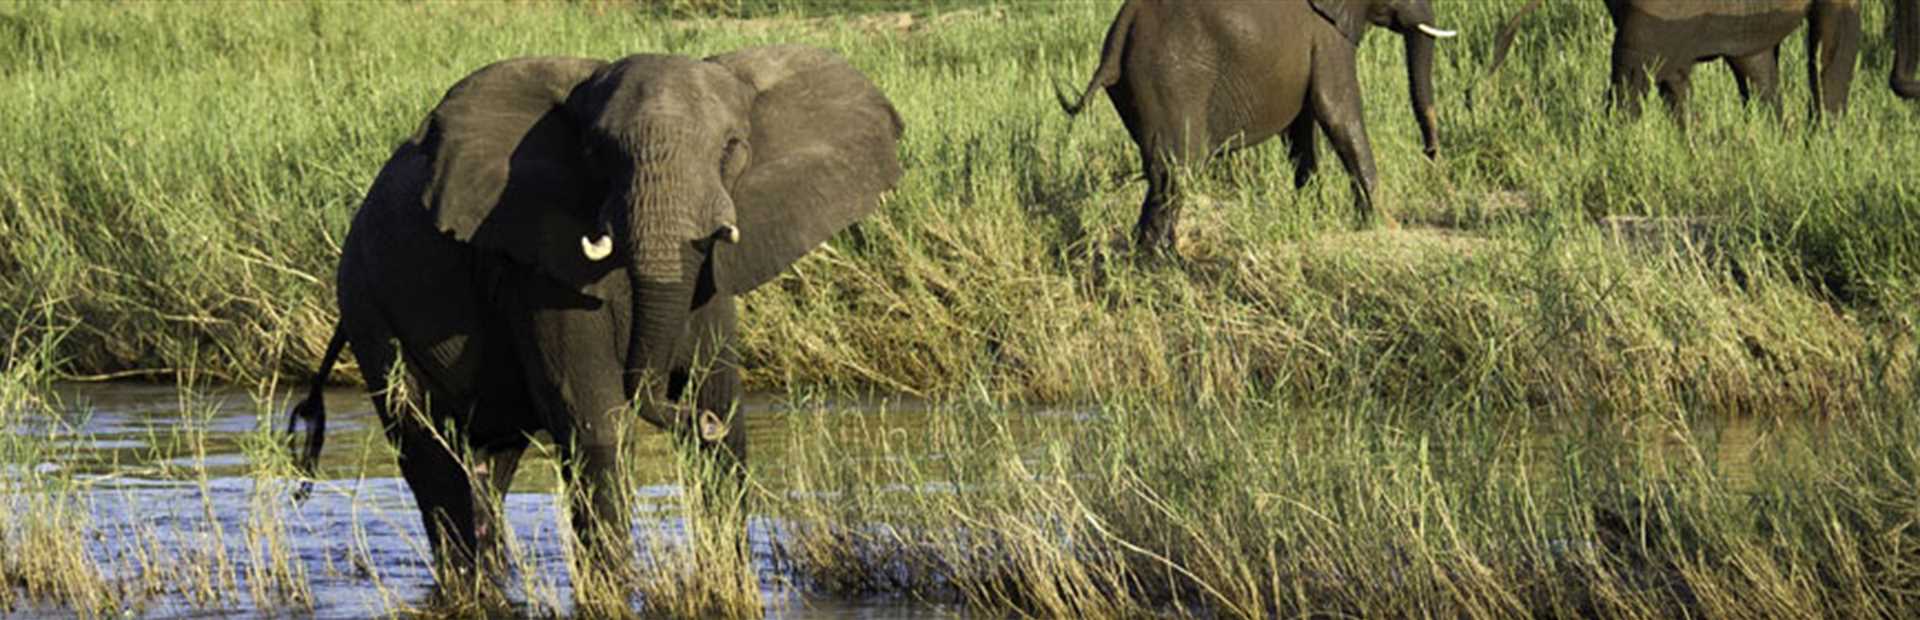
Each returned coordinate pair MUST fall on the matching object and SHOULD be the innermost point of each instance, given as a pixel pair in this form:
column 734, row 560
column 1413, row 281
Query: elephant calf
column 565, row 236
column 1190, row 77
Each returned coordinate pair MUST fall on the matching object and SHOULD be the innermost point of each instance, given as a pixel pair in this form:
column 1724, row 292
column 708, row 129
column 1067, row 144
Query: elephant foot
column 1906, row 89
column 469, row 593
column 1379, row 221
column 1154, row 241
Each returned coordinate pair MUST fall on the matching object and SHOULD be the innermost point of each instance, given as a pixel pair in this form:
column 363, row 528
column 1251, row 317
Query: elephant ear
column 508, row 170
column 1348, row 16
column 823, row 150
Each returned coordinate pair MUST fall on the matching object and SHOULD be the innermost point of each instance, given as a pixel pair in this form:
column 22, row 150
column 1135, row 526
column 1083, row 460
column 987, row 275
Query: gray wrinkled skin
column 1191, row 78
column 472, row 260
column 1658, row 42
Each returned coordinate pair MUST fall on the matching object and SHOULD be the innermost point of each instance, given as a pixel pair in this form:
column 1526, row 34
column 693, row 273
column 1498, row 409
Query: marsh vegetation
column 1605, row 368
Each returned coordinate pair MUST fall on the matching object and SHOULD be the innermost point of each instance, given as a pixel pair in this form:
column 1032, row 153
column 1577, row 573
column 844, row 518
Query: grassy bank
column 1265, row 511
column 178, row 178
column 1510, row 407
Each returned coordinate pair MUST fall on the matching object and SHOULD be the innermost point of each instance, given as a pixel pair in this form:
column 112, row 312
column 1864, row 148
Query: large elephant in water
column 560, row 244
column 1190, row 77
column 1659, row 41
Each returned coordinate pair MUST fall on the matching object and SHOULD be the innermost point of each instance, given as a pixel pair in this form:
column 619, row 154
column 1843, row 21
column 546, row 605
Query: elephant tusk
column 730, row 233
column 597, row 249
column 1436, row 32
column 712, row 428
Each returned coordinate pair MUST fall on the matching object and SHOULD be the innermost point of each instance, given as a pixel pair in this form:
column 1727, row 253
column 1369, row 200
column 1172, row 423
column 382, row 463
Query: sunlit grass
column 1270, row 511
column 193, row 221
column 1123, row 507
column 1511, row 407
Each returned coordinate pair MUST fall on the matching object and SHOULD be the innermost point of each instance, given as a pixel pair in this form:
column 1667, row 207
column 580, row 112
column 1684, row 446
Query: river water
column 174, row 508
column 169, row 490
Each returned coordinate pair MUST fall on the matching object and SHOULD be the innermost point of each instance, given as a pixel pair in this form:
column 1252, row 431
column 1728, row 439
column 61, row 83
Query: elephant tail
column 313, row 409
column 1109, row 72
column 1504, row 41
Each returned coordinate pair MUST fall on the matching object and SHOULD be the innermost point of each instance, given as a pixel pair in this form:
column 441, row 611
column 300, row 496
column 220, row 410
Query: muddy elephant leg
column 1758, row 76
column 1335, row 103
column 1303, row 147
column 1833, row 42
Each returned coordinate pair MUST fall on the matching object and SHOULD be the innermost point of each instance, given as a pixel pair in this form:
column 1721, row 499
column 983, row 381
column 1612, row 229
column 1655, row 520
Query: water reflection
column 169, row 486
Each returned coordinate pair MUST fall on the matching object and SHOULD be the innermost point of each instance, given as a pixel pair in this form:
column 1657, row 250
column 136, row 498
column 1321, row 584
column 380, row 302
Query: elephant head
column 1906, row 48
column 683, row 178
column 1413, row 20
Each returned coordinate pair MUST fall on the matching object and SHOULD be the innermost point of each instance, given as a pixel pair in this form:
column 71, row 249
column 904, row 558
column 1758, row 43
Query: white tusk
column 712, row 428
column 730, row 233
column 597, row 249
column 1436, row 32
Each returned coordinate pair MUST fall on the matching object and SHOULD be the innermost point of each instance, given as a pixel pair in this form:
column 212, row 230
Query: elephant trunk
column 660, row 312
column 1420, row 50
column 1906, row 48
column 659, row 226
column 654, row 221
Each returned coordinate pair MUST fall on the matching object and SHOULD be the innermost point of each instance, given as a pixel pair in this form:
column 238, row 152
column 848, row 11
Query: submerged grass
column 185, row 528
column 1125, row 508
column 1267, row 511
column 179, row 178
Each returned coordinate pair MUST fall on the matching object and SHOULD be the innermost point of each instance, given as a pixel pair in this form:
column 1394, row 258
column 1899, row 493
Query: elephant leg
column 1676, row 87
column 1906, row 48
column 716, row 356
column 1334, row 101
column 1833, row 42
column 1160, row 211
column 441, row 488
column 568, row 350
column 1758, row 76
column 1303, row 147
column 1632, row 78
column 492, row 475
column 438, row 482
column 502, row 421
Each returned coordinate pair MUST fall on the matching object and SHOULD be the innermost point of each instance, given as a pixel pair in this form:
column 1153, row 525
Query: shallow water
column 172, row 496
column 171, row 499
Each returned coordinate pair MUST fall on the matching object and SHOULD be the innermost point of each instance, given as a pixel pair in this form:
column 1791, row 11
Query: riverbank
column 154, row 501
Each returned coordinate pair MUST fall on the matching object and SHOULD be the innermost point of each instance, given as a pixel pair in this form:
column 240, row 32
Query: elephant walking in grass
column 1657, row 42
column 560, row 244
column 1190, row 77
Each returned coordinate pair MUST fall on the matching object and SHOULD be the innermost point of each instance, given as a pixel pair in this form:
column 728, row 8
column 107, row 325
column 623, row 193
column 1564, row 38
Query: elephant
column 1193, row 78
column 1906, row 49
column 1659, row 42
column 559, row 245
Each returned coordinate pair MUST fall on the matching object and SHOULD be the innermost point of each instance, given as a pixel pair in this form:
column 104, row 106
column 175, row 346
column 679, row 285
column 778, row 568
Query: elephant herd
column 559, row 244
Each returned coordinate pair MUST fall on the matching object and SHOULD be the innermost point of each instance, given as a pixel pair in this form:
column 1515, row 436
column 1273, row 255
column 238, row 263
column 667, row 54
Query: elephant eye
column 732, row 158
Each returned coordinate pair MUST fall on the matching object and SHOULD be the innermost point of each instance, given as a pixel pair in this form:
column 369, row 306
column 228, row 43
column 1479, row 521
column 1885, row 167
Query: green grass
column 1507, row 408
column 179, row 179
column 1270, row 511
